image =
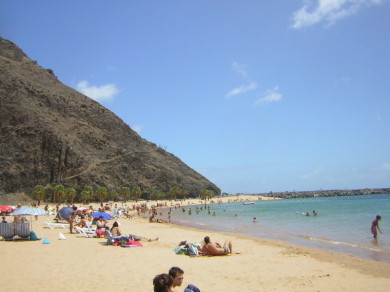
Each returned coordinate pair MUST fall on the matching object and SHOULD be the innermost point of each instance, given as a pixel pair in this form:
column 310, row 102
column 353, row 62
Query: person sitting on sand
column 163, row 283
column 115, row 230
column 216, row 249
column 84, row 222
column 101, row 223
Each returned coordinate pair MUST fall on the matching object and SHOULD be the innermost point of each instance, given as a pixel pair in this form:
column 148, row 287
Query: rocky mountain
column 51, row 133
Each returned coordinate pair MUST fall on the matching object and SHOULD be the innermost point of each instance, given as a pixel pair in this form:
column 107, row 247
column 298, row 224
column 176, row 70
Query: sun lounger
column 111, row 239
column 7, row 230
column 53, row 225
column 86, row 232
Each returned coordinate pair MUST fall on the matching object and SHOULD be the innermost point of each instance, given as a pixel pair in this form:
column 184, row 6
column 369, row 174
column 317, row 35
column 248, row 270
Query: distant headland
column 323, row 193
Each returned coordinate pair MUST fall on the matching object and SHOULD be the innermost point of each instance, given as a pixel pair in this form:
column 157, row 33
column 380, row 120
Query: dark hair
column 174, row 271
column 207, row 239
column 161, row 282
column 378, row 216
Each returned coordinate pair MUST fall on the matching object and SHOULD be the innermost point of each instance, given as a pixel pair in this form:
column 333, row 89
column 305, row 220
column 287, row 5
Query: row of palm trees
column 59, row 193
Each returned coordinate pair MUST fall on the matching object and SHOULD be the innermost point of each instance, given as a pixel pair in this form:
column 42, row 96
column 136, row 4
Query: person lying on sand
column 116, row 232
column 215, row 249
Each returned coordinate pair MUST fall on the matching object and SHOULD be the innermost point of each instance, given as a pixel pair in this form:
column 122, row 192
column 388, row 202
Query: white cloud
column 385, row 166
column 137, row 128
column 98, row 93
column 239, row 69
column 271, row 95
column 242, row 89
column 315, row 11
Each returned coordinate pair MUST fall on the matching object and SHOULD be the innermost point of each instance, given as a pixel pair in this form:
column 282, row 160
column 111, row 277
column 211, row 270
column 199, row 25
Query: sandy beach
column 87, row 264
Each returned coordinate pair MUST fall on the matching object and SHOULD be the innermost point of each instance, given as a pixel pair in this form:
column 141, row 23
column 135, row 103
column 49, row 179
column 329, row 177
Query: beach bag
column 191, row 288
column 33, row 236
column 180, row 250
column 192, row 250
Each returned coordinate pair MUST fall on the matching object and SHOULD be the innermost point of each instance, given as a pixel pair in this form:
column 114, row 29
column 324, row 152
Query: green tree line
column 58, row 193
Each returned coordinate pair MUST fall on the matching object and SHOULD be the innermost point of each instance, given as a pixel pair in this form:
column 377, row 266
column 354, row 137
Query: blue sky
column 257, row 96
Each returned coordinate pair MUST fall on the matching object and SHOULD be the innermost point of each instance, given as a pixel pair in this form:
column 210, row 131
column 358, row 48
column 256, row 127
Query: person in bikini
column 216, row 249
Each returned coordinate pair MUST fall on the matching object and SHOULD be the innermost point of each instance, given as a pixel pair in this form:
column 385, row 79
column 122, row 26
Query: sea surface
column 342, row 224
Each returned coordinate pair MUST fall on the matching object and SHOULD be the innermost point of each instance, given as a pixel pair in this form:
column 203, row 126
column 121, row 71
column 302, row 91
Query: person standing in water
column 375, row 226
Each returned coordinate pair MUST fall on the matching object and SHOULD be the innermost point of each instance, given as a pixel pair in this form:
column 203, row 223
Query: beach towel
column 132, row 243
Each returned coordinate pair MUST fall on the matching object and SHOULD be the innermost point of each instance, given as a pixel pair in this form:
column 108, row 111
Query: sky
column 257, row 96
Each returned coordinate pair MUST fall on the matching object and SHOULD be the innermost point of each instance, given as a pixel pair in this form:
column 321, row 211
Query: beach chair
column 7, row 230
column 111, row 239
column 86, row 232
column 22, row 230
column 53, row 225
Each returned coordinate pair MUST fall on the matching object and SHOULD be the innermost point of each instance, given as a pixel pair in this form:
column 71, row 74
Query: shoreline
column 87, row 264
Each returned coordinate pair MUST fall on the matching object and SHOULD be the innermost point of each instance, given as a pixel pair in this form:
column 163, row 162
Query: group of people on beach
column 169, row 282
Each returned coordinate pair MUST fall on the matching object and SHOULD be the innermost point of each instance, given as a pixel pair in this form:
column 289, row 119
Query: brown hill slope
column 50, row 133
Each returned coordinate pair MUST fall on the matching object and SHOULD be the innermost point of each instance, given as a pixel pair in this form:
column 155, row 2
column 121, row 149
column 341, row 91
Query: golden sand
column 87, row 264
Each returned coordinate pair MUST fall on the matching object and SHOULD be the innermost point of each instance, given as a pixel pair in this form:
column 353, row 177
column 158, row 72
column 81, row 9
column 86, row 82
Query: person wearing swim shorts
column 216, row 249
column 375, row 226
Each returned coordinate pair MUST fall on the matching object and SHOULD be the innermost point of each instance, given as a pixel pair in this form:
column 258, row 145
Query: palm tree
column 206, row 194
column 87, row 194
column 136, row 191
column 59, row 192
column 102, row 194
column 178, row 192
column 125, row 193
column 70, row 194
column 112, row 195
column 152, row 192
column 39, row 193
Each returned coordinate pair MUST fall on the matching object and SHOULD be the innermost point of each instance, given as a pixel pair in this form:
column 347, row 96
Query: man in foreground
column 177, row 275
column 215, row 249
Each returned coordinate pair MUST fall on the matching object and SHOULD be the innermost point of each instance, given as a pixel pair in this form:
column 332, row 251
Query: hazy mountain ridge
column 52, row 133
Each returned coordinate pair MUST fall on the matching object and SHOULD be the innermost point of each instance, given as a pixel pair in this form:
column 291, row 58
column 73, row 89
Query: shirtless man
column 177, row 275
column 215, row 249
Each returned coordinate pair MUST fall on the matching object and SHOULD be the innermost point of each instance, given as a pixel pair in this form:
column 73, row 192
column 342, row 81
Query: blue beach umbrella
column 103, row 214
column 64, row 212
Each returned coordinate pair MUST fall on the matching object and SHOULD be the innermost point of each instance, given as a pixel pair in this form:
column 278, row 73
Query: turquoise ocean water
column 342, row 224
